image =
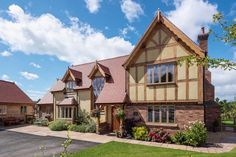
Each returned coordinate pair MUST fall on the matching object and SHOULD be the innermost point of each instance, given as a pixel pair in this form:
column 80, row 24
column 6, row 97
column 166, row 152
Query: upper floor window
column 70, row 85
column 98, row 84
column 160, row 73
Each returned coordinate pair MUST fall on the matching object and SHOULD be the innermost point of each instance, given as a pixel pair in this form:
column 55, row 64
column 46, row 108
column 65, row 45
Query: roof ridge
column 7, row 81
column 100, row 60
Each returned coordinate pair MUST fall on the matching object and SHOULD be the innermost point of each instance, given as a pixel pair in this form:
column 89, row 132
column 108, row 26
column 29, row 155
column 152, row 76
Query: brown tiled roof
column 114, row 89
column 11, row 93
column 104, row 69
column 68, row 101
column 58, row 86
column 76, row 74
column 46, row 99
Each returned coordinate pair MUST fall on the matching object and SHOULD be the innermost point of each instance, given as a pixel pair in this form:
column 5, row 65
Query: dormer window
column 70, row 85
column 98, row 84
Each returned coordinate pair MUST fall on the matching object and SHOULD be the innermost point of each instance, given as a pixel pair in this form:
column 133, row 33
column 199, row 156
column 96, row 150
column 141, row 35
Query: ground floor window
column 3, row 109
column 65, row 112
column 23, row 109
column 161, row 114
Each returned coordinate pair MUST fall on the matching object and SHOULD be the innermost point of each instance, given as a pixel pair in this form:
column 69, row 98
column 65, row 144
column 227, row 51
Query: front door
column 115, row 120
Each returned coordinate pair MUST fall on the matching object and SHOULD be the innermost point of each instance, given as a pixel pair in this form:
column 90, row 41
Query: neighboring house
column 149, row 84
column 45, row 106
column 15, row 105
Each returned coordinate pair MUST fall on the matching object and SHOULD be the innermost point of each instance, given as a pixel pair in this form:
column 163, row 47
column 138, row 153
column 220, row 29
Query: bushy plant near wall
column 140, row 133
column 195, row 134
column 58, row 125
column 41, row 122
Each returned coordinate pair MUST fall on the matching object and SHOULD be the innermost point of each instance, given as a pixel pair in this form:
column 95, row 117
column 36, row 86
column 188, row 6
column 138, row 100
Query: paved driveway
column 13, row 144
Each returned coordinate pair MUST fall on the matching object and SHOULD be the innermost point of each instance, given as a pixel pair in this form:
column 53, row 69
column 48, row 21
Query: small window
column 70, row 85
column 98, row 84
column 157, row 114
column 156, row 74
column 171, row 114
column 3, row 109
column 150, row 113
column 23, row 109
column 149, row 73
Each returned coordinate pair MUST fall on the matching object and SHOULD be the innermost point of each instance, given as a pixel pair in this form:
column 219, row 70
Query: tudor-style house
column 148, row 83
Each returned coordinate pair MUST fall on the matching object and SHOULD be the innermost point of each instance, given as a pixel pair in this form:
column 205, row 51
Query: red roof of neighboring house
column 11, row 93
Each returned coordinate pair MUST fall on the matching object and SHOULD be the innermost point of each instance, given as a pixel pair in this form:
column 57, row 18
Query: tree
column 227, row 35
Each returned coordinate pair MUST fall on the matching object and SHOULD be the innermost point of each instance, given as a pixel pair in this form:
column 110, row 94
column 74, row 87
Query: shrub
column 83, row 117
column 158, row 136
column 196, row 134
column 179, row 138
column 140, row 133
column 91, row 127
column 58, row 125
column 41, row 122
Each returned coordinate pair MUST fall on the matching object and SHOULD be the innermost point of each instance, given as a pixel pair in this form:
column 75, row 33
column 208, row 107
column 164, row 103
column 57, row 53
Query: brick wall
column 212, row 114
column 184, row 114
column 209, row 88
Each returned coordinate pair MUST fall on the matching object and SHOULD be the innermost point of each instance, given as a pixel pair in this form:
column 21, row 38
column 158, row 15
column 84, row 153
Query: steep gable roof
column 11, row 93
column 160, row 19
column 101, row 68
column 75, row 75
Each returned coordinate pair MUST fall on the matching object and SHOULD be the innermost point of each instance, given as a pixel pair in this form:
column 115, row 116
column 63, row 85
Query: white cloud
column 126, row 30
column 47, row 35
column 5, row 77
column 5, row 54
column 224, row 82
column 93, row 5
column 131, row 9
column 29, row 76
column 191, row 15
column 35, row 94
column 34, row 65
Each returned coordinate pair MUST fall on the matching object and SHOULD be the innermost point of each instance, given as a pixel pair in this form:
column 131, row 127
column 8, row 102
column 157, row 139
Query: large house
column 15, row 105
column 148, row 83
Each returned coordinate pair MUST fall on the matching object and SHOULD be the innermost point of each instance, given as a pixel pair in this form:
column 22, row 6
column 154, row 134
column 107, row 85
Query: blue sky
column 41, row 38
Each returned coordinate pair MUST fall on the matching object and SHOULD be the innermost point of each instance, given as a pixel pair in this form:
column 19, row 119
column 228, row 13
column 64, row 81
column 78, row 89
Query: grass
column 117, row 149
column 228, row 122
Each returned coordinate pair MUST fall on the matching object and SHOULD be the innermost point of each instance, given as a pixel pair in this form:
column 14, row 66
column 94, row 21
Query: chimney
column 203, row 40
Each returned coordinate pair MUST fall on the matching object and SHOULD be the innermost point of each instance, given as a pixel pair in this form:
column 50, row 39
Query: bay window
column 160, row 73
column 161, row 114
column 65, row 112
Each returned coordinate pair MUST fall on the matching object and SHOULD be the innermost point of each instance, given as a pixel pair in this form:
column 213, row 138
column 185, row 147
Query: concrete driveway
column 13, row 144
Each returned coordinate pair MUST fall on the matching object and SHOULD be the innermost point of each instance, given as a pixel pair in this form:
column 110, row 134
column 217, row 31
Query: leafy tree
column 227, row 35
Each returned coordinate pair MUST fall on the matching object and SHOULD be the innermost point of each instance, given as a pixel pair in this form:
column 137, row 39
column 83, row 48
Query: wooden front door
column 115, row 120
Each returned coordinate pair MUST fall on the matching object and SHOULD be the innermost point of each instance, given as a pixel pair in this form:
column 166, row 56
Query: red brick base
column 184, row 114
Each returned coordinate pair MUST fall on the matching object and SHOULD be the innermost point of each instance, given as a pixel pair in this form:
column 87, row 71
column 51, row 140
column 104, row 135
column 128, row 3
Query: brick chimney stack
column 203, row 40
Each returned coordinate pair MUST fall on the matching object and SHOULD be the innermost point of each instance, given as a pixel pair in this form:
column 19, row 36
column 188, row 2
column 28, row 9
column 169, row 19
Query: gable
column 162, row 32
column 161, row 45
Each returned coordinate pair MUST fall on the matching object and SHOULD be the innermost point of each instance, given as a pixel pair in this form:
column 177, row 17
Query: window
column 23, row 109
column 160, row 73
column 161, row 114
column 65, row 112
column 3, row 109
column 70, row 85
column 98, row 84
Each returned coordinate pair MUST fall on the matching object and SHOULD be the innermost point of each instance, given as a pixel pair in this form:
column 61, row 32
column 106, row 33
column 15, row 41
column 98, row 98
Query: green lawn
column 117, row 149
